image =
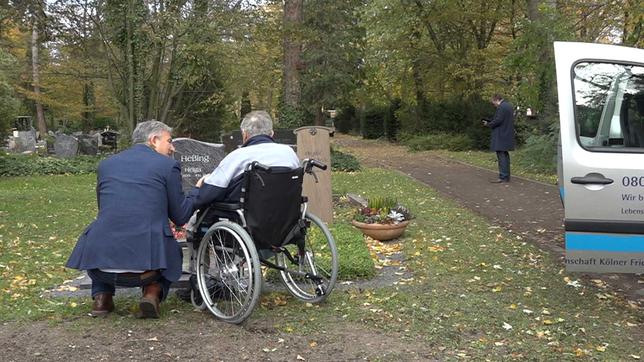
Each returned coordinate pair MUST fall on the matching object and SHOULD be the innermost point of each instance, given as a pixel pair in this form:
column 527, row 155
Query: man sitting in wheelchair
column 225, row 182
column 251, row 213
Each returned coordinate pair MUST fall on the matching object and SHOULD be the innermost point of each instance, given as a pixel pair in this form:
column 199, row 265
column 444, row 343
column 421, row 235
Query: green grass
column 354, row 259
column 488, row 160
column 484, row 292
column 476, row 291
column 40, row 220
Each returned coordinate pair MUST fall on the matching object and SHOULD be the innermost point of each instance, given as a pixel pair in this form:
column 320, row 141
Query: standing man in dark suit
column 502, row 140
column 130, row 242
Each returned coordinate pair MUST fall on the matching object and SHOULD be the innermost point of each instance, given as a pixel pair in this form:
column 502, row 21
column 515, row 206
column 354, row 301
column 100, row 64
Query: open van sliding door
column 601, row 114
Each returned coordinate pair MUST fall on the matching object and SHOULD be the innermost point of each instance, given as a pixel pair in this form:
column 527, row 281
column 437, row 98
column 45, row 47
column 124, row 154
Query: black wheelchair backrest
column 272, row 201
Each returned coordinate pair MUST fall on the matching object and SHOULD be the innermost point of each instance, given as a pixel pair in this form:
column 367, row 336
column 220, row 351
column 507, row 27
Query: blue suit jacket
column 502, row 128
column 138, row 190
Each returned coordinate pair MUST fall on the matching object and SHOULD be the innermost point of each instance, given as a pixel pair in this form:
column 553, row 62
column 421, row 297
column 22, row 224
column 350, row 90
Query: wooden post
column 313, row 142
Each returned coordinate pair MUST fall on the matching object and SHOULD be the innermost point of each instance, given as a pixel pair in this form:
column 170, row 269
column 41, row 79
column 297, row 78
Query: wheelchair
column 270, row 227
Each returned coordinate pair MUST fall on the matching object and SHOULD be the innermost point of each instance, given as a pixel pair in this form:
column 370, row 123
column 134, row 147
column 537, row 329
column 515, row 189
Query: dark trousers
column 105, row 282
column 503, row 158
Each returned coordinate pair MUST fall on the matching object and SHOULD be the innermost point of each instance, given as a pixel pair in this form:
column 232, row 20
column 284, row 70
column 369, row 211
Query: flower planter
column 381, row 232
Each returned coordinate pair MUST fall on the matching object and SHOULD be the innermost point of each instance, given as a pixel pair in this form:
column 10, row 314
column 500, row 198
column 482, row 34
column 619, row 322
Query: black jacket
column 502, row 128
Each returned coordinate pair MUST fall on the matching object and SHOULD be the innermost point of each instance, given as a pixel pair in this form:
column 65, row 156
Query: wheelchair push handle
column 257, row 165
column 309, row 163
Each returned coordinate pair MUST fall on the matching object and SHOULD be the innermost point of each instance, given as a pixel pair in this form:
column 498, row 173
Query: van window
column 609, row 106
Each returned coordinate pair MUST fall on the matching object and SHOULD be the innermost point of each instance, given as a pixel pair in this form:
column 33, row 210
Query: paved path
column 524, row 207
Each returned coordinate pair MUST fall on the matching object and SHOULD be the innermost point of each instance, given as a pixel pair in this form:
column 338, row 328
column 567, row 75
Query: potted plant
column 382, row 219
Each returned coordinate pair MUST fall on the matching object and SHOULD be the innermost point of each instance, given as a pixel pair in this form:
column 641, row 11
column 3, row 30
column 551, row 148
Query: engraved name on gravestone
column 65, row 146
column 197, row 159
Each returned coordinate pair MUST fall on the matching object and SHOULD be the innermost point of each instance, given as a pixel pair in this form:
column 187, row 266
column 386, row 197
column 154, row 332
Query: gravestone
column 313, row 143
column 197, row 159
column 87, row 144
column 233, row 140
column 23, row 141
column 65, row 146
column 23, row 123
column 109, row 139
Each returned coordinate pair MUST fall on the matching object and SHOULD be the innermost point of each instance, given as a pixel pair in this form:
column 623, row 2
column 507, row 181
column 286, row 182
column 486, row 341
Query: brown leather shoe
column 149, row 303
column 103, row 305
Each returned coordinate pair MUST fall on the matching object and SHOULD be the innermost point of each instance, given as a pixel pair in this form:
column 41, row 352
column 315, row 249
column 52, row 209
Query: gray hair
column 147, row 129
column 257, row 123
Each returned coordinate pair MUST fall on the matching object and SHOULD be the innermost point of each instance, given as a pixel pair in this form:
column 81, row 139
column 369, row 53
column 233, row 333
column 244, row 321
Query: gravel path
column 524, row 207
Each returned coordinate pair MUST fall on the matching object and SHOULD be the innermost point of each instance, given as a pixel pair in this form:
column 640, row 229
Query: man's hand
column 485, row 122
column 200, row 182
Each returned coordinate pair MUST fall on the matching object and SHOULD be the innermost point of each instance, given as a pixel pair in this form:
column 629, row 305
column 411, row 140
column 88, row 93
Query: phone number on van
column 633, row 181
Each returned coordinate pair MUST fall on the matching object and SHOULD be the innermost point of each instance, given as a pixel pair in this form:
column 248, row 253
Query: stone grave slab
column 65, row 146
column 87, row 144
column 197, row 159
column 24, row 141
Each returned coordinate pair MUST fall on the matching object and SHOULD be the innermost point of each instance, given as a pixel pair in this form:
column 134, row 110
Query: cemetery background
column 390, row 71
column 467, row 289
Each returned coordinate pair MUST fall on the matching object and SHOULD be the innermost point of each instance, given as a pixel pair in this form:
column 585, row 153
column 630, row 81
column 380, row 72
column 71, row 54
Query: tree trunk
column 40, row 114
column 130, row 66
column 88, row 105
column 533, row 10
column 420, row 94
column 292, row 52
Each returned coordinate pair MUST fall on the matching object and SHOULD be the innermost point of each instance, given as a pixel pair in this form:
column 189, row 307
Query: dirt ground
column 529, row 209
column 196, row 336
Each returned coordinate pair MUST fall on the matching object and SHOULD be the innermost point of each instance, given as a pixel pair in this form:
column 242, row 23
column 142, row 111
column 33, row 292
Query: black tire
column 321, row 260
column 229, row 277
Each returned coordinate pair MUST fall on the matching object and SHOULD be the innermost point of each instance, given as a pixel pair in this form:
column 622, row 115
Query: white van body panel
column 601, row 176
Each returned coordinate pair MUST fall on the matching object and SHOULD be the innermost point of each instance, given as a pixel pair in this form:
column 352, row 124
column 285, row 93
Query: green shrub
column 539, row 154
column 341, row 161
column 373, row 122
column 346, row 120
column 290, row 117
column 392, row 124
column 32, row 165
column 438, row 141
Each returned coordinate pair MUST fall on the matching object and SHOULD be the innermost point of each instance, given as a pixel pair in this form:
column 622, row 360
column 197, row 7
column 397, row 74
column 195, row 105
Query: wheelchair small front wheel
column 195, row 299
column 312, row 275
column 229, row 277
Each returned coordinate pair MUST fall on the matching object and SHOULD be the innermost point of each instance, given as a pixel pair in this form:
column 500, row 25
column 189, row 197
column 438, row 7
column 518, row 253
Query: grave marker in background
column 65, row 146
column 313, row 142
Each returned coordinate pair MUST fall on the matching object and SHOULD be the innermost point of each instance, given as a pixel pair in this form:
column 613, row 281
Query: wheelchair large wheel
column 229, row 277
column 311, row 277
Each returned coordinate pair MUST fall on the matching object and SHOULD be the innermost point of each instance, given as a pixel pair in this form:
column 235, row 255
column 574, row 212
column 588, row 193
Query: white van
column 601, row 158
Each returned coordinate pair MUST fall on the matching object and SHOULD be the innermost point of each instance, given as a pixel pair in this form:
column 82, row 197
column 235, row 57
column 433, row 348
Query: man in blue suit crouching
column 130, row 242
